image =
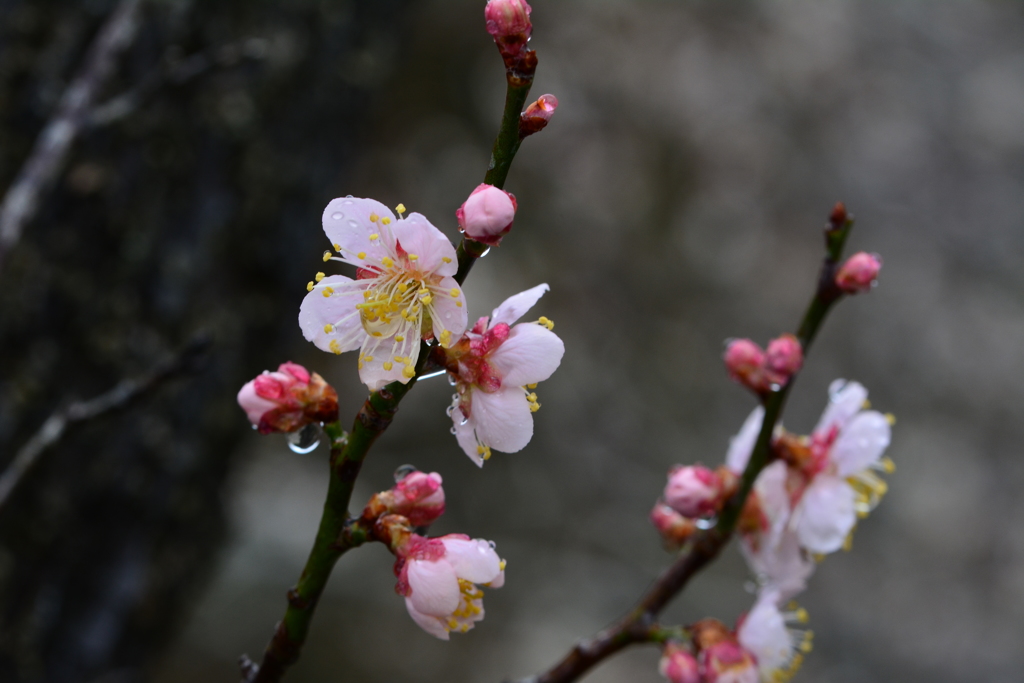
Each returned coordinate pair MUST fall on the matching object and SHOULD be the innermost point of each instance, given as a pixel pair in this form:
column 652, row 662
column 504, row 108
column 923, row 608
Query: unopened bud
column 693, row 491
column 678, row 665
column 859, row 273
column 537, row 115
column 288, row 400
column 745, row 362
column 728, row 661
column 419, row 497
column 783, row 359
column 486, row 216
column 673, row 527
column 508, row 22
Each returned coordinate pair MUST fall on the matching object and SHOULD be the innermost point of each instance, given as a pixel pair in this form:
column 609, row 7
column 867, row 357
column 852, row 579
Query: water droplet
column 492, row 544
column 464, row 421
column 354, row 224
column 305, row 440
column 485, row 252
column 337, row 215
column 462, row 230
column 774, row 386
column 254, row 426
column 706, row 522
column 453, row 430
column 455, row 397
column 451, row 380
column 447, row 315
column 403, row 471
column 449, row 410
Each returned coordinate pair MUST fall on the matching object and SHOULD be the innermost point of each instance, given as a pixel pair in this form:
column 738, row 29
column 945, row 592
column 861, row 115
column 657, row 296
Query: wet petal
column 347, row 224
column 448, row 312
column 503, row 419
column 434, row 586
column 825, row 515
column 465, row 434
column 418, row 236
column 847, row 399
column 861, row 443
column 338, row 309
column 378, row 352
column 530, row 354
column 473, row 560
column 741, row 446
column 516, row 306
column 431, row 625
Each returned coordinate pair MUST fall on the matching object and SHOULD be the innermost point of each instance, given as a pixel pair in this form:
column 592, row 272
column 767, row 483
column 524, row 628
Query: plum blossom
column 288, row 399
column 764, row 632
column 439, row 577
column 418, row 497
column 693, row 491
column 846, row 449
column 486, row 216
column 728, row 662
column 403, row 292
column 678, row 665
column 494, row 367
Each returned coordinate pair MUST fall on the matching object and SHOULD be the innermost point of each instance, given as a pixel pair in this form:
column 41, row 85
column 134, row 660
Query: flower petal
column 338, row 309
column 503, row 419
column 764, row 633
column 448, row 312
column 825, row 515
column 431, row 625
column 418, row 236
column 434, row 587
column 473, row 560
column 347, row 224
column 465, row 434
column 847, row 399
column 861, row 443
column 516, row 306
column 530, row 354
column 742, row 445
column 381, row 351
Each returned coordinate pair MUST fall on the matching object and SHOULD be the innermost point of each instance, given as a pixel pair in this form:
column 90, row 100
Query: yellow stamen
column 388, row 365
column 328, row 291
column 888, row 466
column 309, row 286
column 337, row 247
column 458, row 304
column 320, row 276
column 361, row 254
column 386, row 220
column 414, row 257
column 446, row 338
column 891, row 419
column 454, row 291
column 387, row 262
column 399, row 338
column 446, row 259
column 409, row 371
column 327, row 256
column 426, row 299
column 335, row 346
column 374, row 218
column 328, row 328
column 546, row 323
column 400, row 209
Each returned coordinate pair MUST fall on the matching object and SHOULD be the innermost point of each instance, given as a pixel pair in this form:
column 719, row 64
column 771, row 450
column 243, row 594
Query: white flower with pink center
column 846, row 447
column 495, row 368
column 765, row 632
column 439, row 577
column 403, row 292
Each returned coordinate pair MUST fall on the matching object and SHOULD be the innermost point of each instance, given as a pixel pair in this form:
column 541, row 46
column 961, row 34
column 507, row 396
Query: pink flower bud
column 287, row 400
column 673, row 527
column 508, row 21
column 859, row 273
column 745, row 361
column 693, row 491
column 783, row 359
column 728, row 662
column 486, row 216
column 537, row 115
column 678, row 665
column 419, row 497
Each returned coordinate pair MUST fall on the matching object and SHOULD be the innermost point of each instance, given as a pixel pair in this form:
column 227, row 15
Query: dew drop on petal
column 464, row 421
column 403, row 471
column 706, row 522
column 451, row 380
column 449, row 410
column 337, row 215
column 492, row 544
column 455, row 397
column 453, row 430
column 305, row 440
column 354, row 224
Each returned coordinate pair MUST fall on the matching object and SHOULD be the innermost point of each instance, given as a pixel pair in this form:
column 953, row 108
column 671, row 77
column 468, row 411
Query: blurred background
column 675, row 200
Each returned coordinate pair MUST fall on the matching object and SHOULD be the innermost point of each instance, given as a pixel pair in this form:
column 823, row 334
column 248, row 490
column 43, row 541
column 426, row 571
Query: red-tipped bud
column 419, row 497
column 678, row 665
column 783, row 359
column 728, row 661
column 288, row 400
column 673, row 527
column 537, row 115
column 508, row 22
column 693, row 491
column 744, row 360
column 486, row 216
column 859, row 273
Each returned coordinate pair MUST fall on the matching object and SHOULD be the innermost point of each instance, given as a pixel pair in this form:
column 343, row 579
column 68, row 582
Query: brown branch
column 39, row 173
column 636, row 626
column 118, row 398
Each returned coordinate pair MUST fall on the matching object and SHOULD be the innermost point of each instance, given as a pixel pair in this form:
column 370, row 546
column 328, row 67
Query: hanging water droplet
column 455, row 397
column 706, row 522
column 449, row 410
column 403, row 471
column 462, row 230
column 337, row 215
column 254, row 426
column 485, row 252
column 453, row 430
column 305, row 440
column 492, row 544
column 774, row 386
column 452, row 381
column 464, row 421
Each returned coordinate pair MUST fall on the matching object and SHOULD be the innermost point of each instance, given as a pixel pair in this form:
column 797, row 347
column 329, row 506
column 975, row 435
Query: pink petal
column 530, row 354
column 434, row 587
column 465, row 434
column 431, row 625
column 383, row 350
column 825, row 515
column 347, row 223
column 253, row 404
column 764, row 633
column 503, row 419
column 418, row 236
column 516, row 306
column 339, row 309
column 847, row 399
column 473, row 560
column 861, row 443
column 446, row 313
column 498, row 581
column 741, row 446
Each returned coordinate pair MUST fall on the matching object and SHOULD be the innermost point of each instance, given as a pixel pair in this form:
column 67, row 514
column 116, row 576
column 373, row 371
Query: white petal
column 418, row 236
column 347, row 224
column 339, row 310
column 498, row 581
column 372, row 372
column 825, row 515
column 764, row 633
column 503, row 419
column 741, row 446
column 473, row 560
column 465, row 434
column 434, row 587
column 516, row 306
column 861, row 443
column 446, row 313
column 530, row 354
column 431, row 625
column 847, row 399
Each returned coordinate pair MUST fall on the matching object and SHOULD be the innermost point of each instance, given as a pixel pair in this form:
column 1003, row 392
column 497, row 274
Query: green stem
column 637, row 626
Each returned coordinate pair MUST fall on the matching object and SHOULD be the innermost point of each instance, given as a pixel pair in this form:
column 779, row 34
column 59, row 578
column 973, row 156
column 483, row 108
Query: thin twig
column 118, row 398
column 50, row 152
column 635, row 627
